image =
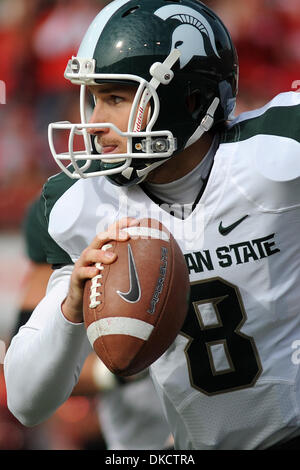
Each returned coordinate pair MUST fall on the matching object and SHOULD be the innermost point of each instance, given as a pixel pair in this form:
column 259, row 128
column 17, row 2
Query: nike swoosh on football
column 226, row 230
column 134, row 293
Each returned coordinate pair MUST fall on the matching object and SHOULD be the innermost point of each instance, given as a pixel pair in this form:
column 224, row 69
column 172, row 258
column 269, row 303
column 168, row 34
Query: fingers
column 93, row 255
column 86, row 266
column 114, row 232
column 81, row 273
column 96, row 252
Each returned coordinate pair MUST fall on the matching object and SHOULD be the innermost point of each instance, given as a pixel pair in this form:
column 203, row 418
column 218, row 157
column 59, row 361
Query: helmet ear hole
column 195, row 105
column 131, row 10
column 191, row 103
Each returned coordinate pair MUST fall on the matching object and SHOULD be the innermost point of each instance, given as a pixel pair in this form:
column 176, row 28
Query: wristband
column 103, row 378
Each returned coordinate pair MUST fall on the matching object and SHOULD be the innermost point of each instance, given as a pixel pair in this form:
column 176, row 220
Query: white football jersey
column 231, row 378
column 131, row 417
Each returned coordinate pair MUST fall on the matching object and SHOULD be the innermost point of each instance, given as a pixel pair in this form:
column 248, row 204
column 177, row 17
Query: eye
column 116, row 99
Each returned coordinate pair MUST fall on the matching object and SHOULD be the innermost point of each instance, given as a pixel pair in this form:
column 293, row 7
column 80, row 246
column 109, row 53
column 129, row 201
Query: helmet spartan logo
column 188, row 37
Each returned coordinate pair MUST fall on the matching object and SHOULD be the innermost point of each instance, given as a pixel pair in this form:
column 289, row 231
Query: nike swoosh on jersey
column 226, row 230
column 134, row 293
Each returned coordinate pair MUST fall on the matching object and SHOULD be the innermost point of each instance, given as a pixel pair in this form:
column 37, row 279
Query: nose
column 98, row 117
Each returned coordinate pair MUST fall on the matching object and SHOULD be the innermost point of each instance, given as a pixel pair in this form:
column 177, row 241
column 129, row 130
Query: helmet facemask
column 146, row 145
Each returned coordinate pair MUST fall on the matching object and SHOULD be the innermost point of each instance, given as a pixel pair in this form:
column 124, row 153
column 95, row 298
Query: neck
column 182, row 163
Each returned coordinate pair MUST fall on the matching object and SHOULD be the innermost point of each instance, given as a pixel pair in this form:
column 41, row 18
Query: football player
column 129, row 410
column 159, row 140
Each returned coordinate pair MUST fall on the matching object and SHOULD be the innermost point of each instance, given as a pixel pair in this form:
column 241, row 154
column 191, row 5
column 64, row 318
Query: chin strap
column 161, row 74
column 205, row 124
column 143, row 173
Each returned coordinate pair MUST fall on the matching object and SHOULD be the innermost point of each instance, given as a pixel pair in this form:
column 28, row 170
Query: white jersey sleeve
column 44, row 359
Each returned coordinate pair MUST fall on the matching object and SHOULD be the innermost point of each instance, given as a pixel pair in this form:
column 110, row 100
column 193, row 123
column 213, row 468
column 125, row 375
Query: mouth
column 106, row 149
column 110, row 150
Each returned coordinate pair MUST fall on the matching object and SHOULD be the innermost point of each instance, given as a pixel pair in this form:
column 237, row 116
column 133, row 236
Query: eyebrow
column 109, row 88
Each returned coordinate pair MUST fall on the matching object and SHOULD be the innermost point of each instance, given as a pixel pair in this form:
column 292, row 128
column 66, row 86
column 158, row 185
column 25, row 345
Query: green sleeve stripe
column 33, row 235
column 53, row 189
column 53, row 252
column 281, row 121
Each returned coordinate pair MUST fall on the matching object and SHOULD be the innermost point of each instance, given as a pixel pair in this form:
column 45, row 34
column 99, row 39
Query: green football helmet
column 171, row 50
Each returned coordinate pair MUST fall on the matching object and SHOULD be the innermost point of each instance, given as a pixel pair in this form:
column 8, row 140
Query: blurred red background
column 37, row 37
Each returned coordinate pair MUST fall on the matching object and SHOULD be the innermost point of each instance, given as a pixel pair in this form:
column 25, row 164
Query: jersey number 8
column 220, row 357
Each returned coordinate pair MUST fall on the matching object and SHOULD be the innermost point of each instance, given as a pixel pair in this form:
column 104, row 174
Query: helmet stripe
column 89, row 42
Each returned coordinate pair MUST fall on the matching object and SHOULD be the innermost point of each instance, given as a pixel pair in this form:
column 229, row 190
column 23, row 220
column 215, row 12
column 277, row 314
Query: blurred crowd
column 37, row 37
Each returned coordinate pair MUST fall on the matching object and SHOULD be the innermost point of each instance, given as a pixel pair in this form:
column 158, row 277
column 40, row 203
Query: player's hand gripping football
column 85, row 267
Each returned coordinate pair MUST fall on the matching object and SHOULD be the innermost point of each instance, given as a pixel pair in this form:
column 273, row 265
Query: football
column 136, row 306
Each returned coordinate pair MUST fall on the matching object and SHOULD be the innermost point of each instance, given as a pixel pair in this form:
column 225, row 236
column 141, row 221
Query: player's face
column 113, row 105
